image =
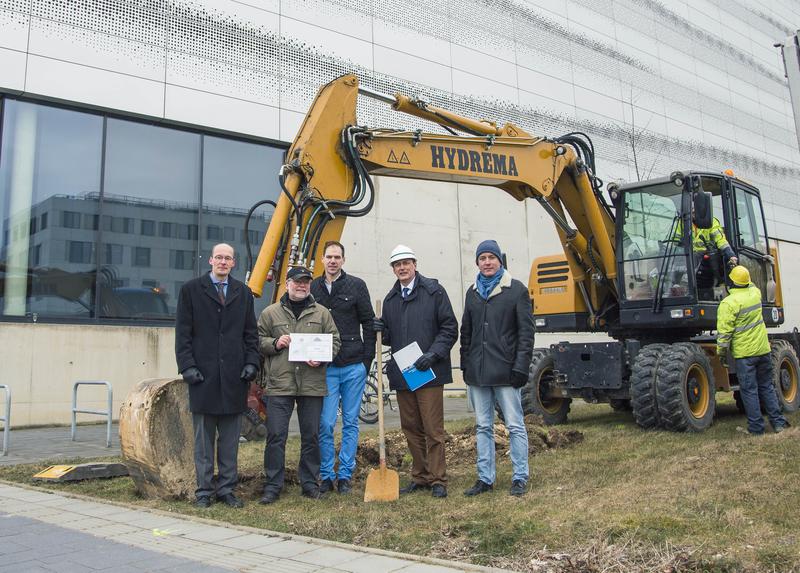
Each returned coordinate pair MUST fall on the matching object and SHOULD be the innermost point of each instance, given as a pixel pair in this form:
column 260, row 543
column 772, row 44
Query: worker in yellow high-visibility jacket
column 741, row 334
column 705, row 243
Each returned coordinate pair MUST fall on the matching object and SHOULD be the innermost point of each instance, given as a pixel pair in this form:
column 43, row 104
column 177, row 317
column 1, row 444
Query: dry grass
column 622, row 499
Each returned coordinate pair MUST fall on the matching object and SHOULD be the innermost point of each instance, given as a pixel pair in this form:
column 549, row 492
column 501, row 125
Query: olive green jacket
column 284, row 378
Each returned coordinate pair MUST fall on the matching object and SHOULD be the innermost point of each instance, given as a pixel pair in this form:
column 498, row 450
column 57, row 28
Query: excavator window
column 752, row 244
column 654, row 257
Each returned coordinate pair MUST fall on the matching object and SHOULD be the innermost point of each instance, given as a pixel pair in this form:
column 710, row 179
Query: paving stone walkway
column 45, row 532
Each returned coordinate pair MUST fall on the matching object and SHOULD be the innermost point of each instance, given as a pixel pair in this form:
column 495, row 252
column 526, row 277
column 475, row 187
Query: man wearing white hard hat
column 417, row 309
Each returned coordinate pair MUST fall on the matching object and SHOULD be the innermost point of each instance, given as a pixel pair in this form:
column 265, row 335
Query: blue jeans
column 483, row 399
column 345, row 383
column 756, row 389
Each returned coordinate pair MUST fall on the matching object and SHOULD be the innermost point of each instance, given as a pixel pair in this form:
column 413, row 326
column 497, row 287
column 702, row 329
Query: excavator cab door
column 750, row 239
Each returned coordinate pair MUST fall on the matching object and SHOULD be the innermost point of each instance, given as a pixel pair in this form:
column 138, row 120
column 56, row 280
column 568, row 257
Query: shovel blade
column 383, row 484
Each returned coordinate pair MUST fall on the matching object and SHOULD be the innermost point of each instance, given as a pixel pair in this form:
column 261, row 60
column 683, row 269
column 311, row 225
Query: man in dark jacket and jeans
column 496, row 346
column 417, row 309
column 216, row 346
column 348, row 300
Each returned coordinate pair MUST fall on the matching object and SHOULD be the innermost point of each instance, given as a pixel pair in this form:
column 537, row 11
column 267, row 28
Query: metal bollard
column 7, row 418
column 106, row 413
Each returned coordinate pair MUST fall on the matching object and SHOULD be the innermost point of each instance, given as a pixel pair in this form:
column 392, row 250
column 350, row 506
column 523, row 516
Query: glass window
column 152, row 174
column 751, row 221
column 49, row 162
column 141, row 257
column 113, row 254
column 236, row 175
column 653, row 243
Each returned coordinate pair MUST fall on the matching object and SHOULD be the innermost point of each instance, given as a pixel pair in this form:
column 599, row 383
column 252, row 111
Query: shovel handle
column 379, row 355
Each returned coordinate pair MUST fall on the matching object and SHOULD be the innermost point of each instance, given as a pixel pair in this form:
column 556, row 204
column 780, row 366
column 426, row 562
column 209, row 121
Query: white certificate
column 305, row 347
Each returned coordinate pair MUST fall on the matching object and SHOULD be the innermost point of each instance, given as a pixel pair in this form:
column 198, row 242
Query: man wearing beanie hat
column 417, row 309
column 496, row 346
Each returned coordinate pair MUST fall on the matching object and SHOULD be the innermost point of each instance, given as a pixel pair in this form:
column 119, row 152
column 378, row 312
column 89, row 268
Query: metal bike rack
column 106, row 413
column 7, row 418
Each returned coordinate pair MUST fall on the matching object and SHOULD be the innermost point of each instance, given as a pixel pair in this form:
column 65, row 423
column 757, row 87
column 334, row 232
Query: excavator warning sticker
column 393, row 158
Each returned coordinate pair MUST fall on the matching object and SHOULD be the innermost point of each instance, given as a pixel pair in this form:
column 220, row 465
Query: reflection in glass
column 150, row 202
column 236, row 175
column 49, row 190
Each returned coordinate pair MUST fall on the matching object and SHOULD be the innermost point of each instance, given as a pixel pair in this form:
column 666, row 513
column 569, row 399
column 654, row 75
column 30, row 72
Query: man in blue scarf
column 496, row 346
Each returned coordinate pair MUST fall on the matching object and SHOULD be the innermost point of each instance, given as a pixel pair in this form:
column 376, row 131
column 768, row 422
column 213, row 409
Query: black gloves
column 248, row 373
column 425, row 361
column 192, row 375
column 518, row 379
column 378, row 325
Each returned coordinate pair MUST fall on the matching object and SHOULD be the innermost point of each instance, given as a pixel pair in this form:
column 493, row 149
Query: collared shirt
column 410, row 286
column 215, row 282
column 329, row 285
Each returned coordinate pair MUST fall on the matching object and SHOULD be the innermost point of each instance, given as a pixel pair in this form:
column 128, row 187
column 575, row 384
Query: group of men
column 220, row 348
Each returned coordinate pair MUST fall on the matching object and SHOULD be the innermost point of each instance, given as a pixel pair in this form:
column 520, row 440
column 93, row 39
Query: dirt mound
column 460, row 445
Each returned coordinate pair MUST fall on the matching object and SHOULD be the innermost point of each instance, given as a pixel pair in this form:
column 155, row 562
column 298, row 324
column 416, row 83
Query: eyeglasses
column 222, row 258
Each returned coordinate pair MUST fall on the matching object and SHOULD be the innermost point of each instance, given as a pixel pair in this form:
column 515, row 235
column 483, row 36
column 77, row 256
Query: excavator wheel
column 685, row 388
column 643, row 385
column 785, row 371
column 534, row 394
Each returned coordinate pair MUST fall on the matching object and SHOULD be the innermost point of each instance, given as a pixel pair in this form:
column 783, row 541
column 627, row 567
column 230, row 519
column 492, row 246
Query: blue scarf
column 485, row 285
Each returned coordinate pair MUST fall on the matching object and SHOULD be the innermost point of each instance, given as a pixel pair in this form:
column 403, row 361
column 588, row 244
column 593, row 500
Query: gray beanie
column 489, row 246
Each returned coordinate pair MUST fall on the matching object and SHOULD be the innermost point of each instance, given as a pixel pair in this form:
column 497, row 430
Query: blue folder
column 417, row 378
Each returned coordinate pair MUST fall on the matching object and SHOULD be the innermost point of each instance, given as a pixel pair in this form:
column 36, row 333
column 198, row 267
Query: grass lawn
column 623, row 499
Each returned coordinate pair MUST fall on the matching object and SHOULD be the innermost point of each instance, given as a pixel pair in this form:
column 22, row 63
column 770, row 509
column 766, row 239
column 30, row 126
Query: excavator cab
column 673, row 263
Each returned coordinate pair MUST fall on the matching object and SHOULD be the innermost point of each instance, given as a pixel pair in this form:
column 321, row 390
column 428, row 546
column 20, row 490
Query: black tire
column 368, row 413
column 540, row 378
column 643, row 385
column 685, row 388
column 785, row 375
column 620, row 404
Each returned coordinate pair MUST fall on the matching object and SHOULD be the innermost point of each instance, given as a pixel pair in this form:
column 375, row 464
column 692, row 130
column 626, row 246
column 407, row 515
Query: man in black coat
column 216, row 347
column 348, row 300
column 496, row 346
column 417, row 309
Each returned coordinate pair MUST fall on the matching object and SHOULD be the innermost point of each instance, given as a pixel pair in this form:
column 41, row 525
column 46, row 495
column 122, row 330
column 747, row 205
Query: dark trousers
column 279, row 410
column 756, row 389
column 422, row 421
column 222, row 431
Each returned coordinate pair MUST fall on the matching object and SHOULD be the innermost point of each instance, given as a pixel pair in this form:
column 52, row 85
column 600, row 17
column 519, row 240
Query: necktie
column 406, row 290
column 221, row 293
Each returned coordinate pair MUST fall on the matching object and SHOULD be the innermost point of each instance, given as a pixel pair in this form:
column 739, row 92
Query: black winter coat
column 352, row 312
column 426, row 317
column 496, row 334
column 218, row 341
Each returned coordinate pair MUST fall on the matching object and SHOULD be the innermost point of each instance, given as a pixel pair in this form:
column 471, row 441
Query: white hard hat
column 401, row 252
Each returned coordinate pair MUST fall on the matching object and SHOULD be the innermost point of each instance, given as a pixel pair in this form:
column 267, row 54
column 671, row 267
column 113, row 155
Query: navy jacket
column 426, row 317
column 218, row 341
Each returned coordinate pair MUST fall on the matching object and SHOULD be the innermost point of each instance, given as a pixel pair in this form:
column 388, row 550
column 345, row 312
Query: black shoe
column 230, row 500
column 344, row 486
column 268, row 498
column 518, row 488
column 414, row 486
column 203, row 502
column 479, row 488
column 326, row 485
column 313, row 493
column 439, row 490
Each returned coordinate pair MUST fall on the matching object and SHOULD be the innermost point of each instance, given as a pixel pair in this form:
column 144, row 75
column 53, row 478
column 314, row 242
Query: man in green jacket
column 741, row 334
column 288, row 382
column 706, row 243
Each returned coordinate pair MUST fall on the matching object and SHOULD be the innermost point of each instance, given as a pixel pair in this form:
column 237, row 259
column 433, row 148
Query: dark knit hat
column 298, row 273
column 488, row 246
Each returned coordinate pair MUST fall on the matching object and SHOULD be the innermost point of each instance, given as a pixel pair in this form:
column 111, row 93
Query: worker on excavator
column 707, row 244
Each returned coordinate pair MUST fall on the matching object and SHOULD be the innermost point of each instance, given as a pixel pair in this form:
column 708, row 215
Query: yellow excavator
column 628, row 267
